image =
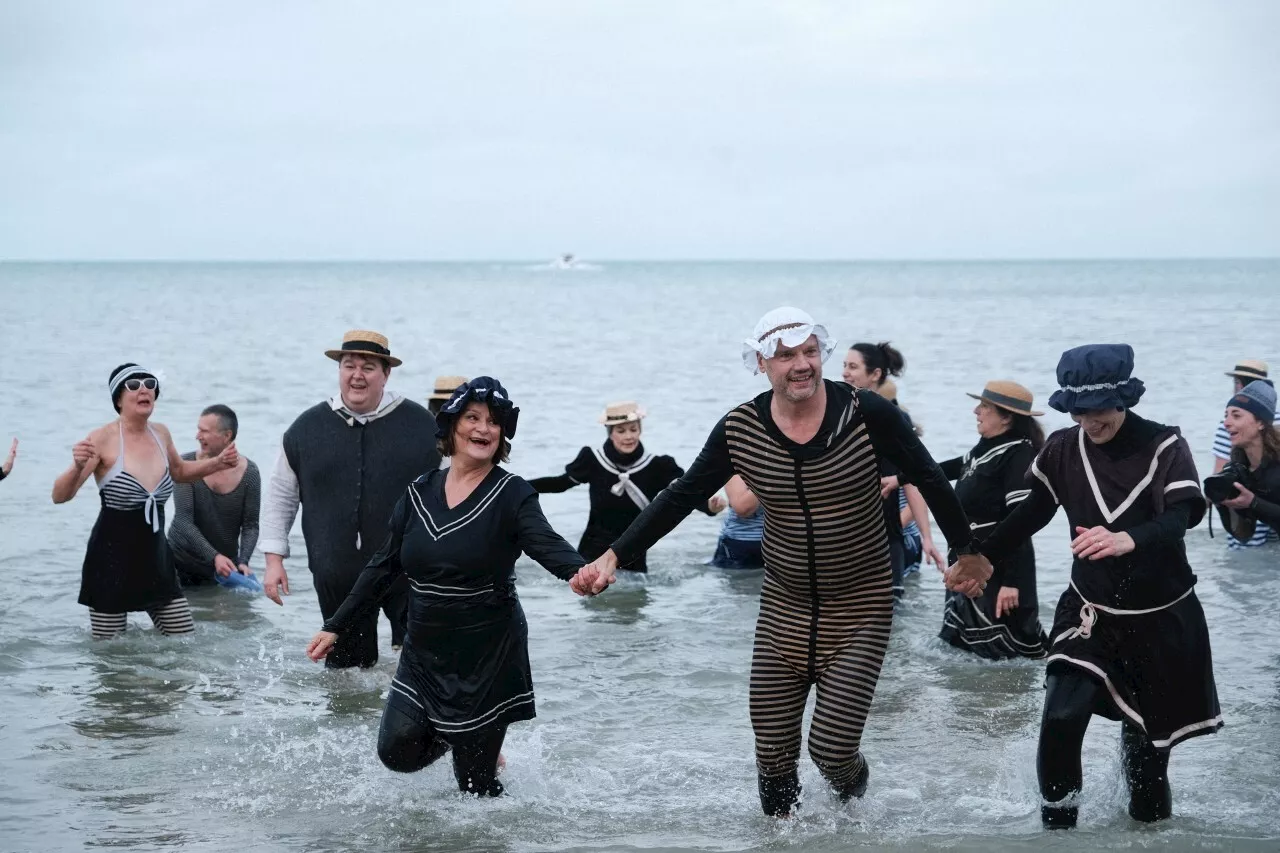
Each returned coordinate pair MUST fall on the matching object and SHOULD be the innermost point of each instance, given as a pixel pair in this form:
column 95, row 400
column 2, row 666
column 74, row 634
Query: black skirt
column 462, row 677
column 1157, row 667
column 971, row 625
column 127, row 566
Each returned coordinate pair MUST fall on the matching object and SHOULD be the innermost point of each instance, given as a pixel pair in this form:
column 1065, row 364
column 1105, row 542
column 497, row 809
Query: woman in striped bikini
column 809, row 449
column 127, row 566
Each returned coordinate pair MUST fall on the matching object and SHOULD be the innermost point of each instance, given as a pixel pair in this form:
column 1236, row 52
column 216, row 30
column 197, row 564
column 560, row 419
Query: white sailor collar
column 390, row 399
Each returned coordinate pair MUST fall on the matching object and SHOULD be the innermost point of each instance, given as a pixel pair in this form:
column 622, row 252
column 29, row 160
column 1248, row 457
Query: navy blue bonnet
column 1096, row 376
column 482, row 389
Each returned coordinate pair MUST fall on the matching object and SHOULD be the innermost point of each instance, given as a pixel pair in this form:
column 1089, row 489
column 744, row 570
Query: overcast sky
column 647, row 129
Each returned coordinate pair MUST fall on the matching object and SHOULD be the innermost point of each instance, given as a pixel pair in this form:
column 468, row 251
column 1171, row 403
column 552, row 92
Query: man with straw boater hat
column 347, row 460
column 1246, row 371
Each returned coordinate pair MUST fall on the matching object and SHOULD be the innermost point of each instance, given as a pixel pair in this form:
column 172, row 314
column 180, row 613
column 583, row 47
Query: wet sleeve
column 674, row 472
column 1028, row 518
column 575, row 473
column 1178, row 482
column 892, row 436
column 184, row 532
column 252, row 507
column 952, row 468
column 283, row 499
column 706, row 476
column 1168, row 527
column 546, row 547
column 378, row 575
column 1018, row 569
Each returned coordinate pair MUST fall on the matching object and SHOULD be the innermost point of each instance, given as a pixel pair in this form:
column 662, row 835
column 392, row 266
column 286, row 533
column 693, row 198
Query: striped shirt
column 1262, row 533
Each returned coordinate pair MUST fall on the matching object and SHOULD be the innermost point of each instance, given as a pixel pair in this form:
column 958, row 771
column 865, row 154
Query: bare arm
column 742, row 500
column 85, row 459
column 188, row 471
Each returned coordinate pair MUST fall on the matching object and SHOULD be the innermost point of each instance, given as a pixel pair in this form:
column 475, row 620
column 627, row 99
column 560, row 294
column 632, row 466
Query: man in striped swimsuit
column 809, row 450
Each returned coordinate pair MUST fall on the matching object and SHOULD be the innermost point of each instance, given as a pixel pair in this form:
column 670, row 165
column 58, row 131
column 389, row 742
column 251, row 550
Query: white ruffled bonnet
column 788, row 326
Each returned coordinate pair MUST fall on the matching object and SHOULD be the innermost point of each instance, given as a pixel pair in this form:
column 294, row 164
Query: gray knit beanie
column 1259, row 399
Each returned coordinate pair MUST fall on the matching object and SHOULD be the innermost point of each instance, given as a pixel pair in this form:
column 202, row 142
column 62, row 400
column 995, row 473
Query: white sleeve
column 280, row 508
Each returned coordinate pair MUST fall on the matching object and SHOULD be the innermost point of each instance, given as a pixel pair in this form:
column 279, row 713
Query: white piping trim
column 1178, row 735
column 1035, row 469
column 1115, row 697
column 1182, row 484
column 438, row 532
column 1137, row 490
column 484, row 719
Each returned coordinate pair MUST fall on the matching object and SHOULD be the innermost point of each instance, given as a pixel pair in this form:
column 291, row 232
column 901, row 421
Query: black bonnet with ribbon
column 482, row 389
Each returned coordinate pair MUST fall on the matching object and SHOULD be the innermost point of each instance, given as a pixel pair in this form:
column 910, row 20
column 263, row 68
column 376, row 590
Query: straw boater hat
column 446, row 385
column 1249, row 369
column 364, row 342
column 621, row 413
column 1009, row 396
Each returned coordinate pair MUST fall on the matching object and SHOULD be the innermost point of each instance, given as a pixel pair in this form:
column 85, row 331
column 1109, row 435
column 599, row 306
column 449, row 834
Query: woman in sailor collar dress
column 1003, row 622
column 622, row 477
column 1129, row 637
column 457, row 533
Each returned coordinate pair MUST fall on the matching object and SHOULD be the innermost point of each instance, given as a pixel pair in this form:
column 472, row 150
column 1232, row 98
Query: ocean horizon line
column 638, row 261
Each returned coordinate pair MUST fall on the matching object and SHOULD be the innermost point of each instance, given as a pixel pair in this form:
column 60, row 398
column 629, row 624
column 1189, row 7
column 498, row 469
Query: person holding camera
column 1247, row 490
column 1245, row 371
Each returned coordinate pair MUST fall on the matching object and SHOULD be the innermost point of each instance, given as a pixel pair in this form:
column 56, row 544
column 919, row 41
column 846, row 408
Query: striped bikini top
column 121, row 490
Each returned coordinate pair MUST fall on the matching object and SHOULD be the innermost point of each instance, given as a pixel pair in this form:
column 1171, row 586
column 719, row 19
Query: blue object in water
column 235, row 580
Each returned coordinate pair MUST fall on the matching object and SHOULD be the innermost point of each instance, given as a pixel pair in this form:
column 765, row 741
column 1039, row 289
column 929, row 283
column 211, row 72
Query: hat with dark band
column 1009, row 396
column 1249, row 369
column 445, row 386
column 364, row 342
column 622, row 413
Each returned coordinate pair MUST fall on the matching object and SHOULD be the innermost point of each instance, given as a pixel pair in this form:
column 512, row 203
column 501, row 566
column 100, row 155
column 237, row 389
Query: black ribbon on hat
column 365, row 346
column 482, row 389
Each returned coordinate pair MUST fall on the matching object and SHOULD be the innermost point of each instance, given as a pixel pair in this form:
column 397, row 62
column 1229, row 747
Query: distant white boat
column 568, row 262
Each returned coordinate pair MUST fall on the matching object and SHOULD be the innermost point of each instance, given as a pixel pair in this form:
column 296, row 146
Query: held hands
column 277, row 579
column 1243, row 500
column 594, row 578
column 83, row 453
column 969, row 575
column 1097, row 543
column 321, row 644
column 1006, row 600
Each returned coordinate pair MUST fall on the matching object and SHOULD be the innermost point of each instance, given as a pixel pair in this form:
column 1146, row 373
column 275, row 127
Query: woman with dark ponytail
column 869, row 366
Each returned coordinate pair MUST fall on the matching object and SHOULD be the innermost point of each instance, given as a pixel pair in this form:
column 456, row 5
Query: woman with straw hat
column 1003, row 622
column 622, row 478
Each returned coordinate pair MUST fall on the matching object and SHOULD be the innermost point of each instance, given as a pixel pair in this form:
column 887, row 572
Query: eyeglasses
column 135, row 384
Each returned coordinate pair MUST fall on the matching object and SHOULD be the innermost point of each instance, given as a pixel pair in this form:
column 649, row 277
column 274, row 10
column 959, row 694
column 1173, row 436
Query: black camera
column 1222, row 486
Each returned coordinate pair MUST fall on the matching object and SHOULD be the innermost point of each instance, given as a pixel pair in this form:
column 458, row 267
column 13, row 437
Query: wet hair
column 115, row 397
column 1025, row 426
column 227, row 420
column 881, row 357
column 446, row 449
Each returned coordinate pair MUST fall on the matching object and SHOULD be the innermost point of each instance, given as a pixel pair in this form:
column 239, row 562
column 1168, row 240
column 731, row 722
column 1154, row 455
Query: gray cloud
column 710, row 129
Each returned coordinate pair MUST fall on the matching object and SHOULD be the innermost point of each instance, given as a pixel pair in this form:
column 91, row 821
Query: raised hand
column 83, row 453
column 969, row 575
column 8, row 462
column 1097, row 543
column 321, row 644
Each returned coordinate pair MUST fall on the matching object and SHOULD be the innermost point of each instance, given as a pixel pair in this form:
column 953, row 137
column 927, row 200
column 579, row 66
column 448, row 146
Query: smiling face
column 625, row 437
column 1243, row 427
column 992, row 420
column 361, row 380
column 210, row 435
column 795, row 372
column 855, row 372
column 1100, row 425
column 477, row 435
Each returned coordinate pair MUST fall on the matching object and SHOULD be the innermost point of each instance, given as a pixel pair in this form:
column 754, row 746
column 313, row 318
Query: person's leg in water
column 405, row 745
column 105, row 626
column 1146, row 770
column 845, row 690
column 777, row 697
column 174, row 618
column 1069, row 702
column 475, row 762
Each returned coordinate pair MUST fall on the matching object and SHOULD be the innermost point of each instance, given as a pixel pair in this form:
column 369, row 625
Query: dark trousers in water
column 359, row 646
column 407, row 746
column 1071, row 699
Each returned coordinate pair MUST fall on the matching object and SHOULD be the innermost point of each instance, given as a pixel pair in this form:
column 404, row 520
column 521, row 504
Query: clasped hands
column 595, row 577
